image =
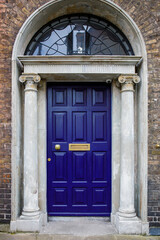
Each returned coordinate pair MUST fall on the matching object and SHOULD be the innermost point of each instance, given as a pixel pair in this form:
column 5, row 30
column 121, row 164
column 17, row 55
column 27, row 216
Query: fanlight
column 79, row 35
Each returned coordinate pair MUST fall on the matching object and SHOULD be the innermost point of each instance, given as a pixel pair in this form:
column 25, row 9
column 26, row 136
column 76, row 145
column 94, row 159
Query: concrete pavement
column 36, row 236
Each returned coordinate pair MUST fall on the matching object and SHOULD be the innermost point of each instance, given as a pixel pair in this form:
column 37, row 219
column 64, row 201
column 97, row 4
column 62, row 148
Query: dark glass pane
column 79, row 34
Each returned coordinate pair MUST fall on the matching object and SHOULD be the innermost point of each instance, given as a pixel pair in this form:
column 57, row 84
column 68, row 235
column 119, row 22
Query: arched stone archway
column 117, row 16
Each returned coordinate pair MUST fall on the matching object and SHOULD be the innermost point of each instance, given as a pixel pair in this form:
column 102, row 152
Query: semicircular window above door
column 79, row 35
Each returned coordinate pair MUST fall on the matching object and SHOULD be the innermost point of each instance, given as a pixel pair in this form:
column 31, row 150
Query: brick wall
column 146, row 15
column 5, row 120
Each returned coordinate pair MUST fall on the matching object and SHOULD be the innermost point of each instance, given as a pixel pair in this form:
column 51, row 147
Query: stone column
column 126, row 214
column 30, row 208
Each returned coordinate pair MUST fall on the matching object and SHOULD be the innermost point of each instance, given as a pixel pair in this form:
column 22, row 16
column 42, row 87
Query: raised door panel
column 59, row 126
column 60, row 198
column 99, row 167
column 79, row 166
column 59, row 97
column 99, row 97
column 60, row 167
column 99, row 197
column 79, row 197
column 79, row 126
column 99, row 126
column 79, row 97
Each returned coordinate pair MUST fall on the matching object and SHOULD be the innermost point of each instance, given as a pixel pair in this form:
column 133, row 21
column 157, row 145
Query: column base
column 30, row 215
column 128, row 225
column 24, row 224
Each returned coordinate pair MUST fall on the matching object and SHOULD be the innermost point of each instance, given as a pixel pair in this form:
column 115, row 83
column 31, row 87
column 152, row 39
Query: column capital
column 29, row 77
column 129, row 78
column 127, row 82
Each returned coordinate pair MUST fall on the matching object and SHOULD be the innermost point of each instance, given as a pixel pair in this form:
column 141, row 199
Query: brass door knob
column 49, row 159
column 158, row 145
column 57, row 147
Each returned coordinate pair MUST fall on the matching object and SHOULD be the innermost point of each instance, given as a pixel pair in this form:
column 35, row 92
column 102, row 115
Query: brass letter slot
column 79, row 147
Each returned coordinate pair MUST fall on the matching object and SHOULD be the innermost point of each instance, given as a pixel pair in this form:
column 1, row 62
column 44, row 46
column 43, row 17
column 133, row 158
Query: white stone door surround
column 120, row 71
column 128, row 127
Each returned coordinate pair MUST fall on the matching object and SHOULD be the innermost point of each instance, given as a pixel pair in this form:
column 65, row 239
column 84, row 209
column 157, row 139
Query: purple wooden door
column 79, row 181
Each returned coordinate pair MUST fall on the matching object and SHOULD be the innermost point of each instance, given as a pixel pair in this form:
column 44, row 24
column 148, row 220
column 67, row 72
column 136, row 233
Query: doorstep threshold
column 87, row 218
column 79, row 226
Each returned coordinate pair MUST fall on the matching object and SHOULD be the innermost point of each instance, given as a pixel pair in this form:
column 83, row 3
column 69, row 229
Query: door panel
column 60, row 167
column 79, row 166
column 79, row 182
column 79, row 197
column 99, row 168
column 59, row 197
column 79, row 119
column 99, row 126
column 59, row 126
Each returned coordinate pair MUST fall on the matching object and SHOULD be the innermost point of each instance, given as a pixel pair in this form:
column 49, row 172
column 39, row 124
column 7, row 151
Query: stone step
column 79, row 226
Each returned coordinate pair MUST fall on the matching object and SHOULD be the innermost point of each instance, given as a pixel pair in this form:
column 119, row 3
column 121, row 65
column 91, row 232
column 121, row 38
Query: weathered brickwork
column 145, row 13
column 5, row 120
